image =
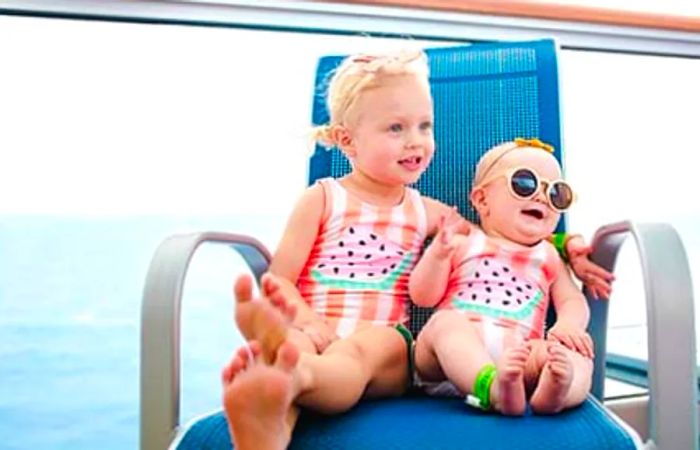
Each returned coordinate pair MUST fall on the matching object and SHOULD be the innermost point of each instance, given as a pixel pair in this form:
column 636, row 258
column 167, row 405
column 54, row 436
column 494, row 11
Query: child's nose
column 542, row 192
column 416, row 138
column 413, row 139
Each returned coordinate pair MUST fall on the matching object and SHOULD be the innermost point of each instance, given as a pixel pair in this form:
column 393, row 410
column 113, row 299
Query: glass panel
column 116, row 135
column 629, row 127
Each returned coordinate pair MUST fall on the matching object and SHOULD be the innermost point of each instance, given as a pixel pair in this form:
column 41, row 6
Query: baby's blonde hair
column 358, row 73
column 494, row 155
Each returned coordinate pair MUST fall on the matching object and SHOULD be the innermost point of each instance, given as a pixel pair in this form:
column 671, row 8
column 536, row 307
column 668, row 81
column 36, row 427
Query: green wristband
column 559, row 241
column 482, row 387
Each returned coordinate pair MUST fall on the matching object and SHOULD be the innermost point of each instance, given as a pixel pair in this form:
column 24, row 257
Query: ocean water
column 70, row 305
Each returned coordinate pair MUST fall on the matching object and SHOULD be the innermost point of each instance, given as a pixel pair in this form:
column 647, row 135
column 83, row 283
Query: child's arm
column 435, row 210
column 572, row 313
column 574, row 249
column 596, row 279
column 429, row 278
column 291, row 255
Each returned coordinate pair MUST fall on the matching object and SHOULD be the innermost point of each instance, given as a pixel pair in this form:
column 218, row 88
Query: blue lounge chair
column 484, row 94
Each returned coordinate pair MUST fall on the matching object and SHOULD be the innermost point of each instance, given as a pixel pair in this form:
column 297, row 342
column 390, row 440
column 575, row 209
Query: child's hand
column 444, row 243
column 319, row 333
column 572, row 337
column 594, row 277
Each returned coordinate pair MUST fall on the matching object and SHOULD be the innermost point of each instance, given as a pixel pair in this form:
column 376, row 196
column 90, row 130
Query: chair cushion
column 419, row 422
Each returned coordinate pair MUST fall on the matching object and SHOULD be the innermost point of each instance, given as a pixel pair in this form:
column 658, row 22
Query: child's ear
column 479, row 201
column 341, row 136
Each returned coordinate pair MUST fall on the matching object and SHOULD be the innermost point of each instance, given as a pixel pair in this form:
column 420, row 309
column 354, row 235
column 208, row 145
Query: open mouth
column 534, row 213
column 411, row 163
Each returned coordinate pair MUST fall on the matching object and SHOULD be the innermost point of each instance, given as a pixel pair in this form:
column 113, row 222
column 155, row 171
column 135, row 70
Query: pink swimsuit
column 359, row 266
column 503, row 290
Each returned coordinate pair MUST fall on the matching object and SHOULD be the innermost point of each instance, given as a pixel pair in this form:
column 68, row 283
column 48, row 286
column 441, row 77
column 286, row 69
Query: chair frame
column 672, row 376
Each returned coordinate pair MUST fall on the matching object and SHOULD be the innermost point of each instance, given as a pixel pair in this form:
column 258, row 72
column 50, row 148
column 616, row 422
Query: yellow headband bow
column 522, row 142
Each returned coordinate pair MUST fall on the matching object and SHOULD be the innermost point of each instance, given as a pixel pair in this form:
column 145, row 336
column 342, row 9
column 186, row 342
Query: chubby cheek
column 553, row 221
column 430, row 153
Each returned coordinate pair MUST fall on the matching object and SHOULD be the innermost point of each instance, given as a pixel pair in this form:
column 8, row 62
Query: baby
column 492, row 289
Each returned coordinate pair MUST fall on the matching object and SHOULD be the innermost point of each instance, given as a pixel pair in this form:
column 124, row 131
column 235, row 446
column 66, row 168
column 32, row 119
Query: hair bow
column 522, row 142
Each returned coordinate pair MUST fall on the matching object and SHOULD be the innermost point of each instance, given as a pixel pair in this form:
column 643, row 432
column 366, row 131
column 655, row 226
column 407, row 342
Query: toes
column 272, row 290
column 232, row 369
column 561, row 372
column 518, row 356
column 248, row 353
column 521, row 354
column 291, row 311
column 243, row 289
column 226, row 374
column 287, row 357
column 561, row 359
column 558, row 362
column 255, row 348
column 242, row 358
column 277, row 299
column 269, row 284
column 557, row 352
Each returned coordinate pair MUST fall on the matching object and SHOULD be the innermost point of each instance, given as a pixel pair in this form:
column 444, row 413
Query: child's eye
column 395, row 128
column 427, row 125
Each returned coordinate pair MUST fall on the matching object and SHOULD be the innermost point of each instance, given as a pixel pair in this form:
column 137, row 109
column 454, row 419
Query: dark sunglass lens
column 561, row 195
column 524, row 183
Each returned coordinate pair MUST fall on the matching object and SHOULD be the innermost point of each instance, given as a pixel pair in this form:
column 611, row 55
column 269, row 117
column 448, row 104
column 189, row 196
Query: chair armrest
column 160, row 328
column 673, row 416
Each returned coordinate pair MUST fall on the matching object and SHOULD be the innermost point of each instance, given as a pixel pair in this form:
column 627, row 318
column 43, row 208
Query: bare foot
column 264, row 320
column 557, row 375
column 257, row 398
column 508, row 390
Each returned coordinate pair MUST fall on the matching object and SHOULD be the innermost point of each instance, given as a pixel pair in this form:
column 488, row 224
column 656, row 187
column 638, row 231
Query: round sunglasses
column 525, row 183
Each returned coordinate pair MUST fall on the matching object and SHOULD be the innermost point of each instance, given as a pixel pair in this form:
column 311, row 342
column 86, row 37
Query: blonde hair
column 359, row 73
column 491, row 158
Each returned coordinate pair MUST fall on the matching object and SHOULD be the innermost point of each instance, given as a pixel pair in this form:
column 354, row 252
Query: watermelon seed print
column 366, row 261
column 497, row 293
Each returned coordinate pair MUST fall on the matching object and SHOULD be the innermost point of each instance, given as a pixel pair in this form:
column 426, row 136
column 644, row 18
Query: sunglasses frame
column 508, row 174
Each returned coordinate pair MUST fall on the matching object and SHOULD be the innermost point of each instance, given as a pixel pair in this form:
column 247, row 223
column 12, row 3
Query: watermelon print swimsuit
column 358, row 268
column 503, row 290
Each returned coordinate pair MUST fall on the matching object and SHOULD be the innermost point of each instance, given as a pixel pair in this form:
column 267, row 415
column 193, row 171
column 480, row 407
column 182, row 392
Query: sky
column 106, row 119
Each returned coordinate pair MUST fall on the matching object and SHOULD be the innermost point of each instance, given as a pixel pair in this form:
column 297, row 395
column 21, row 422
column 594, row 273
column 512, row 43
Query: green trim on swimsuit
column 387, row 284
column 408, row 337
column 464, row 305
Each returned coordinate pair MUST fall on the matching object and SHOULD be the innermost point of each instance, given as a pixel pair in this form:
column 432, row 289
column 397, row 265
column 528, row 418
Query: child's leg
column 266, row 323
column 257, row 398
column 449, row 346
column 258, row 401
column 374, row 359
column 373, row 362
column 565, row 377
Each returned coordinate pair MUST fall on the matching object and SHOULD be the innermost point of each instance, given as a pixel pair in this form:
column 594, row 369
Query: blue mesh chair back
column 483, row 95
